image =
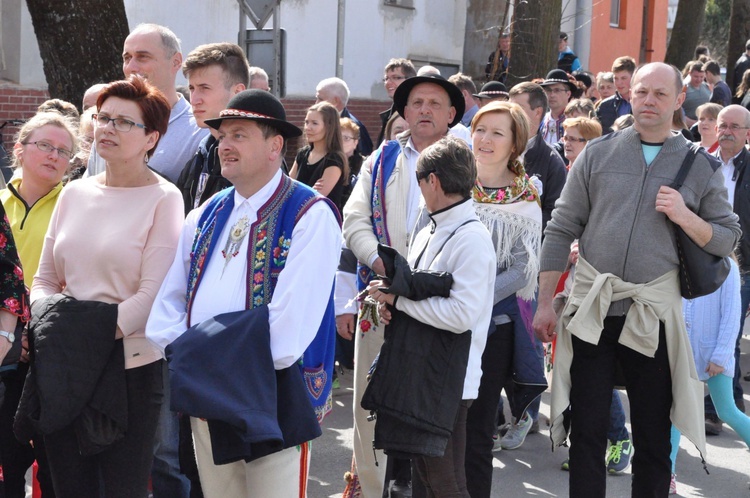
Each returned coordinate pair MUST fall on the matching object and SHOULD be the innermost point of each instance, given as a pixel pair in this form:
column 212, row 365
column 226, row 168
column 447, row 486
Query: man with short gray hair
column 733, row 131
column 336, row 92
column 259, row 78
column 153, row 51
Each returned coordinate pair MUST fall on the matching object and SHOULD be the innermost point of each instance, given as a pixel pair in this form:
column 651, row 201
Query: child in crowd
column 712, row 322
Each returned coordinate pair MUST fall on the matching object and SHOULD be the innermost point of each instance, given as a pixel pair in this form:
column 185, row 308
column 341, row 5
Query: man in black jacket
column 733, row 127
column 215, row 72
column 540, row 159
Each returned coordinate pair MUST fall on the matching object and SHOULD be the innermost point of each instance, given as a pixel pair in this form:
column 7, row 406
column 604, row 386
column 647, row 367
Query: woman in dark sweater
column 321, row 164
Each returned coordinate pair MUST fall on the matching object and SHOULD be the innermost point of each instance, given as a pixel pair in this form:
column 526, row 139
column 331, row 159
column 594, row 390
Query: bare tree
column 485, row 21
column 535, row 31
column 80, row 43
column 688, row 25
column 739, row 33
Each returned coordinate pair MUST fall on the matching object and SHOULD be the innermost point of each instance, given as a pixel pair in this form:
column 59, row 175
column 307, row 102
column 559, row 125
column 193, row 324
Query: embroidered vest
column 383, row 163
column 268, row 247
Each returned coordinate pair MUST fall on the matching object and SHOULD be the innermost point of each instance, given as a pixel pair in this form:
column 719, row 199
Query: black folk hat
column 257, row 105
column 492, row 90
column 405, row 88
column 558, row 76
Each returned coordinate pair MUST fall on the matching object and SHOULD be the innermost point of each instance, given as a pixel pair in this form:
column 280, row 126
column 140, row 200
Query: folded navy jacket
column 221, row 370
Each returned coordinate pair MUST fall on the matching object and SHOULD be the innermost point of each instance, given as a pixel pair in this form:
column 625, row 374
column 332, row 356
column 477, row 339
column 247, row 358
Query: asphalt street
column 534, row 470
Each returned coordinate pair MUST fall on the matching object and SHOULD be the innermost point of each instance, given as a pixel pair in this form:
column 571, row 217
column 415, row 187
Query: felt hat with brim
column 492, row 90
column 260, row 106
column 584, row 78
column 558, row 76
column 404, row 89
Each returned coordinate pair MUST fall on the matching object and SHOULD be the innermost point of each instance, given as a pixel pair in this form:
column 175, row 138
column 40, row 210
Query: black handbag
column 701, row 273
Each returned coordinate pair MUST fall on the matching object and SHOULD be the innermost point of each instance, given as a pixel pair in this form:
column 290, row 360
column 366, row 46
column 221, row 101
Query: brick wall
column 17, row 102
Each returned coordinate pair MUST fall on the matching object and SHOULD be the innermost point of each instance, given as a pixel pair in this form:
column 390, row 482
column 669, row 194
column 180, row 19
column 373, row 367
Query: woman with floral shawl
column 507, row 203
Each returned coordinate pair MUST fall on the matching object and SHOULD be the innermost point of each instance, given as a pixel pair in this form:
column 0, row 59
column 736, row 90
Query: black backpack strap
column 686, row 164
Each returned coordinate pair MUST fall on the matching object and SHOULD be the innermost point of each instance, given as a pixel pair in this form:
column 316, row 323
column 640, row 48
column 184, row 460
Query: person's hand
column 375, row 292
column 545, row 323
column 573, row 257
column 118, row 333
column 713, row 369
column 378, row 267
column 345, row 325
column 384, row 312
column 670, row 202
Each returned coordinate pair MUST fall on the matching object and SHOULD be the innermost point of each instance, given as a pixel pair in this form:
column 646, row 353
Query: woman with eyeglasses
column 577, row 132
column 42, row 152
column 321, row 164
column 507, row 203
column 109, row 245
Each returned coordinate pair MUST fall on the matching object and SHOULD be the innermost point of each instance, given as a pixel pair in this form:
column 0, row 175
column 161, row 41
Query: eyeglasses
column 421, row 175
column 568, row 138
column 120, row 124
column 348, row 138
column 556, row 90
column 734, row 128
column 48, row 147
column 393, row 78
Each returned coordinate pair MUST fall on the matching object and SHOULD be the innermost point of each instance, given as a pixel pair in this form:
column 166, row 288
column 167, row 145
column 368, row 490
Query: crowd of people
column 175, row 295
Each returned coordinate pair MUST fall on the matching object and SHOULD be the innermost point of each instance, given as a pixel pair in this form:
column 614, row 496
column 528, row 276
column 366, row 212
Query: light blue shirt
column 712, row 324
column 650, row 151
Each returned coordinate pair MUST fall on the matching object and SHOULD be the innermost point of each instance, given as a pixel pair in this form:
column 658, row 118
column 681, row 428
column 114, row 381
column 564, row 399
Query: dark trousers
column 122, row 470
column 16, row 457
column 649, row 387
column 497, row 363
column 444, row 477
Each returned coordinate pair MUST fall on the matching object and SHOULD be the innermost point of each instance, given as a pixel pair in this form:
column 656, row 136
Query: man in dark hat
column 491, row 91
column 558, row 88
column 567, row 60
column 263, row 243
column 384, row 208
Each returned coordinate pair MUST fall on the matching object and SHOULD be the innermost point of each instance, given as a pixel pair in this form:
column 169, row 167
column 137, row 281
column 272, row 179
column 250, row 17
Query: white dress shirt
column 302, row 291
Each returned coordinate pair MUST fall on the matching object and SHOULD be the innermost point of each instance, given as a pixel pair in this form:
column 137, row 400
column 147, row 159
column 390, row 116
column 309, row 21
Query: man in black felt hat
column 558, row 88
column 384, row 208
column 491, row 91
column 254, row 248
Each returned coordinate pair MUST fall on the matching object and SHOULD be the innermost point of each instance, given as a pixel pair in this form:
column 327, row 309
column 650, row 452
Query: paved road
column 533, row 470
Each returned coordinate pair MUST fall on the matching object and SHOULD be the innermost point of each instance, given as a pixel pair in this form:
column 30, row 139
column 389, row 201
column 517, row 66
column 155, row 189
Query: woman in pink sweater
column 112, row 238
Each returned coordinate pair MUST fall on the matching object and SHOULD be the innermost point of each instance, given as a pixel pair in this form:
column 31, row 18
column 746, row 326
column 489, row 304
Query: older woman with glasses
column 578, row 131
column 109, row 245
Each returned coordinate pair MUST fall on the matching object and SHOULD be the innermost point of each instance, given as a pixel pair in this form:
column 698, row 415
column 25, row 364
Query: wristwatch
column 8, row 335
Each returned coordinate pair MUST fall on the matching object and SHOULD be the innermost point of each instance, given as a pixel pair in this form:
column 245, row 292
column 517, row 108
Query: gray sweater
column 609, row 201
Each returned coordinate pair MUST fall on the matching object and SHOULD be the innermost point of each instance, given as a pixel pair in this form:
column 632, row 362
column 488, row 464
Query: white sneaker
column 516, row 435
